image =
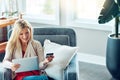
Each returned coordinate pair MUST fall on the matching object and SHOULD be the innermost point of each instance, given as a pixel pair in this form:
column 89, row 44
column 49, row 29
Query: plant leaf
column 109, row 11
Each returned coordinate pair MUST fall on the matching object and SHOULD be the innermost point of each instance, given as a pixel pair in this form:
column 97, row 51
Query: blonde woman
column 21, row 45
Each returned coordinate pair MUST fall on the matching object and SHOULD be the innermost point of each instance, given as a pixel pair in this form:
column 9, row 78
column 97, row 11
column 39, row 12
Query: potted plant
column 110, row 10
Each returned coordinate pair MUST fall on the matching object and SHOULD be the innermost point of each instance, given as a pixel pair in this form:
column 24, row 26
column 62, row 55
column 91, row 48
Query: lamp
column 110, row 10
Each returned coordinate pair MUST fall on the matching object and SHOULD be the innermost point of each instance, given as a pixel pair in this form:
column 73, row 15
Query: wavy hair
column 14, row 42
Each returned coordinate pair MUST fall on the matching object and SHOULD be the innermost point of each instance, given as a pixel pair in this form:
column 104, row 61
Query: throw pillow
column 62, row 56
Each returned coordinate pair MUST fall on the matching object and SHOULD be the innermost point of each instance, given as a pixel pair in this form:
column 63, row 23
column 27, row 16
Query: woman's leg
column 5, row 74
column 49, row 78
column 37, row 77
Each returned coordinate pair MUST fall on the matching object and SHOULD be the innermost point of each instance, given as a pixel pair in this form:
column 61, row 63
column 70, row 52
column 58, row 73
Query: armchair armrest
column 70, row 72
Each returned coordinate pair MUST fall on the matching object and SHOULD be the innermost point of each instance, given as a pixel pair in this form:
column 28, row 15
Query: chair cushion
column 61, row 39
column 58, row 32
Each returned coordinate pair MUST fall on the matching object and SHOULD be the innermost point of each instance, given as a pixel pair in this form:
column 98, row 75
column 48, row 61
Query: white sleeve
column 7, row 64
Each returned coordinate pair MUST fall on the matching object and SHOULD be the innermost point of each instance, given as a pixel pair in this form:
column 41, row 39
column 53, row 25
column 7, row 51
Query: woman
column 21, row 45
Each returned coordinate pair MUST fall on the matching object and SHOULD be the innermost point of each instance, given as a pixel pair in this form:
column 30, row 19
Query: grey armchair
column 65, row 36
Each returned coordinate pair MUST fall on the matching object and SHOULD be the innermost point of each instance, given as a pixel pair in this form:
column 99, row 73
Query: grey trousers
column 5, row 74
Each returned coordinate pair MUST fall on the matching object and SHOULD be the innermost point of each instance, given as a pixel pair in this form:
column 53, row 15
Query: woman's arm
column 43, row 62
column 7, row 61
column 8, row 64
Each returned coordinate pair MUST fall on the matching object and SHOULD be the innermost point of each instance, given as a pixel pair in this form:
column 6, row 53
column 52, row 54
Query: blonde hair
column 13, row 42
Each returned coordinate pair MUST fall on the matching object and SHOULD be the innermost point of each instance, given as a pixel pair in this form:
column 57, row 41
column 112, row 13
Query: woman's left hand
column 50, row 58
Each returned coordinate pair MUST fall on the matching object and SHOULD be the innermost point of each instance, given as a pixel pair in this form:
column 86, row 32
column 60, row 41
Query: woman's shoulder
column 36, row 42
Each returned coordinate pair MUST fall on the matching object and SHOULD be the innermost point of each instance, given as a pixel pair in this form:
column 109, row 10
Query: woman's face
column 24, row 35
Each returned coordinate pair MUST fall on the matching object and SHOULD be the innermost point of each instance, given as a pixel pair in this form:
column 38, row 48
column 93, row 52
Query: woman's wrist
column 45, row 62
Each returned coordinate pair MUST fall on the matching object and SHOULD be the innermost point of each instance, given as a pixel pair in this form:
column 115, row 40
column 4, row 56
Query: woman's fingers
column 50, row 58
column 15, row 67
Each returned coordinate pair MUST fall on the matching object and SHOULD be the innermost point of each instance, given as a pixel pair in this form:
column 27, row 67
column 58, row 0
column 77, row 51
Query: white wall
column 92, row 41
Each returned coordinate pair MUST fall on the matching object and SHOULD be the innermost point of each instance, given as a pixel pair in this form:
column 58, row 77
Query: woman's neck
column 24, row 44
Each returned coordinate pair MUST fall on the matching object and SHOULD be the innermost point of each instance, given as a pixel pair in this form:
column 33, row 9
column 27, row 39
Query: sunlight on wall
column 89, row 9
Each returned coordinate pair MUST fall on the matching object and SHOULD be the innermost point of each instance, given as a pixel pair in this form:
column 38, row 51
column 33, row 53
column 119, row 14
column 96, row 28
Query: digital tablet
column 27, row 64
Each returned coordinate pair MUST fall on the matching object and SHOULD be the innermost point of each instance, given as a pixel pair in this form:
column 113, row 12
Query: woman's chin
column 25, row 41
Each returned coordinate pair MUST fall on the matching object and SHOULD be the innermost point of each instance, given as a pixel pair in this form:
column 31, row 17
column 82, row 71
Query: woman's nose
column 24, row 36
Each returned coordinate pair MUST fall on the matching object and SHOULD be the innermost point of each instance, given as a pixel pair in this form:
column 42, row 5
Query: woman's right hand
column 15, row 66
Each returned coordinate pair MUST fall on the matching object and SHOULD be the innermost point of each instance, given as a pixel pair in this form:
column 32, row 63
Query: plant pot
column 113, row 56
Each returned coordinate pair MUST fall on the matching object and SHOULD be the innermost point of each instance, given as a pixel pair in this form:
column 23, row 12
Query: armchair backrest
column 64, row 36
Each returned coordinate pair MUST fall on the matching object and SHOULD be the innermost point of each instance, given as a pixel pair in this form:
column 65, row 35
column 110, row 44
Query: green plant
column 110, row 10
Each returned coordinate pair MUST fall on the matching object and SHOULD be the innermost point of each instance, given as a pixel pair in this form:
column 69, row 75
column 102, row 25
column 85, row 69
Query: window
column 84, row 12
column 42, row 11
column 65, row 12
column 88, row 9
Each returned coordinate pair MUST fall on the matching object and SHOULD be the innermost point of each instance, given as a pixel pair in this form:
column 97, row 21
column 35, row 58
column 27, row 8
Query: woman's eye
column 27, row 32
column 21, row 33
